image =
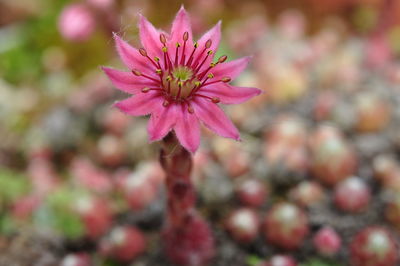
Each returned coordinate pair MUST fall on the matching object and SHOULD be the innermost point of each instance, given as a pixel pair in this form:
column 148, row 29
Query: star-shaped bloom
column 177, row 82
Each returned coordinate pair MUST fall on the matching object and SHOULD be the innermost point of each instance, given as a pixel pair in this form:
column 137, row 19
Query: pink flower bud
column 280, row 260
column 333, row 159
column 286, row 226
column 191, row 245
column 251, row 192
column 76, row 23
column 141, row 186
column 373, row 112
column 307, row 193
column 373, row 246
column 352, row 195
column 87, row 175
column 77, row 259
column 96, row 215
column 327, row 241
column 123, row 243
column 243, row 225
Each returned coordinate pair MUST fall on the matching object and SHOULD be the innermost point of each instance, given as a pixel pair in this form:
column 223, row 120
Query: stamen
column 138, row 73
column 191, row 55
column 143, row 52
column 222, row 59
column 225, row 80
column 176, row 53
column 206, row 46
column 169, row 83
column 208, row 43
column 190, row 108
column 165, row 103
column 180, row 83
column 167, row 60
column 204, row 60
column 219, row 61
column 212, row 99
column 185, row 38
column 209, row 76
column 163, row 40
column 146, row 90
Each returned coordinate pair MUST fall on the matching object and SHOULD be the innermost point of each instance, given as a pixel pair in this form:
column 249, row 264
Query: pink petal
column 229, row 94
column 140, row 104
column 161, row 121
column 187, row 129
column 230, row 69
column 131, row 56
column 126, row 81
column 214, row 118
column 180, row 25
column 214, row 34
column 150, row 38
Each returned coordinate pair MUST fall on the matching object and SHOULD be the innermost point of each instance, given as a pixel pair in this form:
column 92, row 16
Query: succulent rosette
column 178, row 83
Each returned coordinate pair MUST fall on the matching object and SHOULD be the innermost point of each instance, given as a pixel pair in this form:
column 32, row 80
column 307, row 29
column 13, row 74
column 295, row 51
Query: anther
column 210, row 75
column 136, row 72
column 168, row 78
column 226, row 79
column 145, row 90
column 222, row 59
column 143, row 52
column 163, row 40
column 178, row 44
column 209, row 52
column 185, row 36
column 165, row 103
column 197, row 83
column 164, row 49
column 158, row 71
column 190, row 109
column 157, row 59
column 196, row 44
column 208, row 43
column 215, row 100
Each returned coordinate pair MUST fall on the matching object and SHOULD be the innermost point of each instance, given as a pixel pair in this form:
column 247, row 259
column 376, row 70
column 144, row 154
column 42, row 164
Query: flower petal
column 150, row 37
column 214, row 118
column 187, row 129
column 161, row 121
column 131, row 56
column 229, row 94
column 126, row 81
column 141, row 104
column 214, row 34
column 230, row 69
column 180, row 25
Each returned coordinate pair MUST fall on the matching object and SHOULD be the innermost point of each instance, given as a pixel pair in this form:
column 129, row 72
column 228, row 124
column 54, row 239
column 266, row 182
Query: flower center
column 180, row 83
column 182, row 77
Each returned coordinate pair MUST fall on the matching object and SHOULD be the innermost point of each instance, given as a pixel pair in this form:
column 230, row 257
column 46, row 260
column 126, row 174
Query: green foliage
column 12, row 186
column 253, row 260
column 58, row 213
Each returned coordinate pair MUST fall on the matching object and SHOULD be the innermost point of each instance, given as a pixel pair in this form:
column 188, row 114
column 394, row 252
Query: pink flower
column 76, row 23
column 176, row 81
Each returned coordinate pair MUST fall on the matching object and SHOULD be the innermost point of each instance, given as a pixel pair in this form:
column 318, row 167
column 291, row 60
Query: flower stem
column 187, row 237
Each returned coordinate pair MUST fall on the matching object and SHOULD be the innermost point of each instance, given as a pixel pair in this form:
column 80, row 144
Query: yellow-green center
column 180, row 83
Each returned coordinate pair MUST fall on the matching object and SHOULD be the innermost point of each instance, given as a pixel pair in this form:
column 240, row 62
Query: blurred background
column 80, row 185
